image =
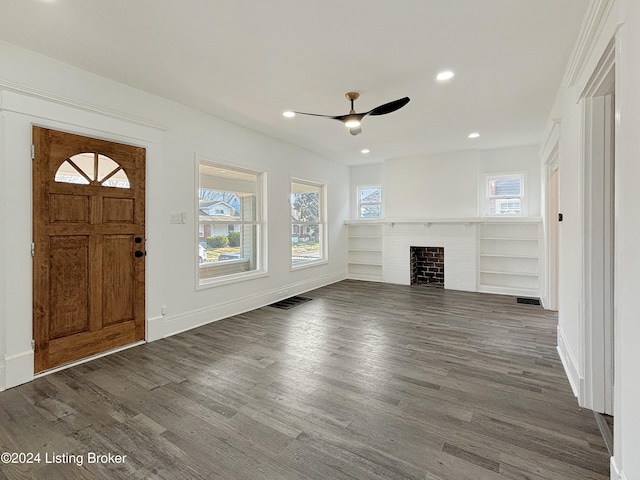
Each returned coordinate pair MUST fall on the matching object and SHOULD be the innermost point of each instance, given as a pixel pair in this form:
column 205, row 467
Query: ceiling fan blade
column 355, row 131
column 389, row 107
column 318, row 115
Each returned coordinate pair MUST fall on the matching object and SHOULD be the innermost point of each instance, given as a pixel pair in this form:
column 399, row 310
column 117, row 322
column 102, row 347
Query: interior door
column 89, row 246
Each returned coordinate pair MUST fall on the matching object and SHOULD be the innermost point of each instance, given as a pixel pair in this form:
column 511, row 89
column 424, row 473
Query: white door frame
column 598, row 112
column 553, row 234
column 550, row 157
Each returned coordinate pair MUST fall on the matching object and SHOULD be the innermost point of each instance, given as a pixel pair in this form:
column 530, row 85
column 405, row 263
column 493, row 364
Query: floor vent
column 529, row 301
column 291, row 302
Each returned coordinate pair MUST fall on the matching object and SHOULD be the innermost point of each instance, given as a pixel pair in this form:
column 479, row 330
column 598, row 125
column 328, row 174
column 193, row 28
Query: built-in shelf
column 512, row 239
column 509, row 258
column 365, row 251
column 502, row 272
column 500, row 255
column 507, row 250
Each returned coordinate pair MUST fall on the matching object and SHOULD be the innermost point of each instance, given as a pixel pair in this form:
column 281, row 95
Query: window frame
column 259, row 221
column 487, row 197
column 359, row 189
column 322, row 222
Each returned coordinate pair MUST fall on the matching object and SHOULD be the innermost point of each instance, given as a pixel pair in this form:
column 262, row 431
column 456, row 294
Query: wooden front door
column 89, row 246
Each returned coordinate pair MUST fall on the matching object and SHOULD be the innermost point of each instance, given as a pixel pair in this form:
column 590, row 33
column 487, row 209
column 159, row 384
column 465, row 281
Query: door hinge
column 33, row 151
column 33, row 249
column 33, row 345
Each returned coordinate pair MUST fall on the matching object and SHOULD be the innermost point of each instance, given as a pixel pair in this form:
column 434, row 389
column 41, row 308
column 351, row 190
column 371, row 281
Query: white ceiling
column 249, row 60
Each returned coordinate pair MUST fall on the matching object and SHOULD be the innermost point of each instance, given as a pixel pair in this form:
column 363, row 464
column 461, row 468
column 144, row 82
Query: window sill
column 302, row 266
column 230, row 279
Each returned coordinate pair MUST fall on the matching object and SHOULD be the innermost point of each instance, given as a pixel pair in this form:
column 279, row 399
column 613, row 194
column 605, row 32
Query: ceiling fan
column 353, row 120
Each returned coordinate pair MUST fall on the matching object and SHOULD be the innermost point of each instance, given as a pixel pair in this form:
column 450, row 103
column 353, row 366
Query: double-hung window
column 504, row 195
column 308, row 224
column 369, row 202
column 230, row 226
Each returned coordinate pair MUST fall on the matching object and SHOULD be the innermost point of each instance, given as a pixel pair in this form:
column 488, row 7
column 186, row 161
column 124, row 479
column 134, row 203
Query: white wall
column 570, row 235
column 38, row 90
column 448, row 185
column 433, row 186
column 620, row 21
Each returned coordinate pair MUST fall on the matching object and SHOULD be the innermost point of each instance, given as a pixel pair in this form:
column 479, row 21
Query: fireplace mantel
column 434, row 220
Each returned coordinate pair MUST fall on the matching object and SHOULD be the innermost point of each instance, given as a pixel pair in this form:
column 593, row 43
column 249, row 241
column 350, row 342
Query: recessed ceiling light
column 446, row 75
column 474, row 135
column 365, row 150
column 289, row 114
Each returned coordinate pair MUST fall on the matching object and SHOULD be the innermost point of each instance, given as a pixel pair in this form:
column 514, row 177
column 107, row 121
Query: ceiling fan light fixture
column 289, row 114
column 352, row 122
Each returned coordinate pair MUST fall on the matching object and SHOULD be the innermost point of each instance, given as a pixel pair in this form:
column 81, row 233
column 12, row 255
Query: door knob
column 138, row 239
column 139, row 253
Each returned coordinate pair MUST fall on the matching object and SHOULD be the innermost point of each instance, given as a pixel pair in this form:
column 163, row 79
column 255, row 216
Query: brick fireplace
column 427, row 266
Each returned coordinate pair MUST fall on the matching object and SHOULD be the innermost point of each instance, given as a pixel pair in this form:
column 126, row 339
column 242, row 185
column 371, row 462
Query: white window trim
column 322, row 221
column 523, row 194
column 359, row 188
column 262, row 270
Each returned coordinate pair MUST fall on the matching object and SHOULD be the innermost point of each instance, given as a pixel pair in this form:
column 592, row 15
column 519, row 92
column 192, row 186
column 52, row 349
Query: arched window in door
column 92, row 169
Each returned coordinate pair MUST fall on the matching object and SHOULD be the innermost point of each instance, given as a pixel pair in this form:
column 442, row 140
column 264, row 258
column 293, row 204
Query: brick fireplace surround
column 427, row 266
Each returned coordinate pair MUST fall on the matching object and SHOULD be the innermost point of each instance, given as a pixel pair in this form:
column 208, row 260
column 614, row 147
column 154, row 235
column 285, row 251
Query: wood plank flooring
column 366, row 381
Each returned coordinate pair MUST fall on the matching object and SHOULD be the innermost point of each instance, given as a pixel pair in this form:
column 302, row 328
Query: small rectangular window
column 505, row 195
column 308, row 225
column 229, row 221
column 369, row 202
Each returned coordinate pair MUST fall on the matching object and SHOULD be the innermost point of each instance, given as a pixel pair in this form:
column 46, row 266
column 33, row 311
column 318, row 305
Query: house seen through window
column 307, row 223
column 504, row 195
column 369, row 202
column 229, row 220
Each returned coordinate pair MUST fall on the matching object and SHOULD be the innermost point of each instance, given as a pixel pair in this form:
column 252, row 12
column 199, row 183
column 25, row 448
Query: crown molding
column 591, row 27
column 550, row 139
column 42, row 95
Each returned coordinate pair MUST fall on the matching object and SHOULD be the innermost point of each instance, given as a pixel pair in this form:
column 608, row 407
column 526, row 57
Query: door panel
column 88, row 198
column 118, row 272
column 118, row 210
column 68, row 273
column 68, row 208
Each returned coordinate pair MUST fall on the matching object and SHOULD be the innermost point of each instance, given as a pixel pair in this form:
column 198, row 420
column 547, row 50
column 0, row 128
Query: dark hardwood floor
column 366, row 381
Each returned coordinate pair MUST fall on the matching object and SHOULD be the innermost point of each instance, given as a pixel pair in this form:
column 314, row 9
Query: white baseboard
column 570, row 365
column 154, row 328
column 18, row 368
column 2, row 379
column 616, row 473
column 544, row 300
column 162, row 327
column 516, row 292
